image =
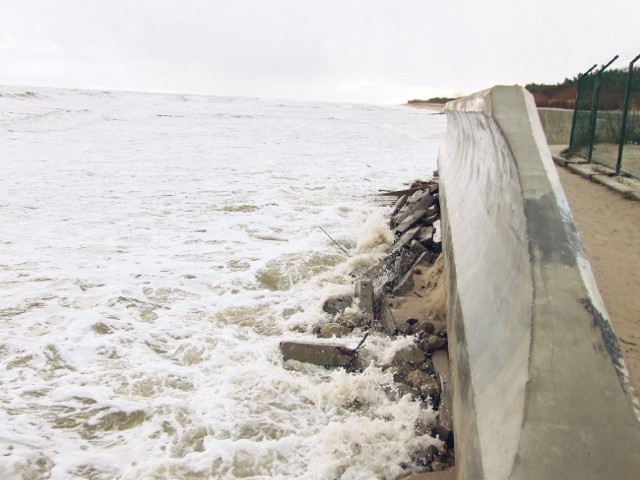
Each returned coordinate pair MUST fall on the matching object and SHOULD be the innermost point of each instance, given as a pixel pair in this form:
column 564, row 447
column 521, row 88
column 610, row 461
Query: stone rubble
column 420, row 370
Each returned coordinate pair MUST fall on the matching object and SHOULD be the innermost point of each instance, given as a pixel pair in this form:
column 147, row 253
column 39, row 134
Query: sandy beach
column 609, row 226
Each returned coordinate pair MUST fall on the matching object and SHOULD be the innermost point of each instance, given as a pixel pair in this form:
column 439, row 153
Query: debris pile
column 402, row 295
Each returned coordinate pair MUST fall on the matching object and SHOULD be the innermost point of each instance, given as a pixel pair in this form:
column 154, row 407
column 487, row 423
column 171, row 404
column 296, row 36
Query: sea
column 154, row 251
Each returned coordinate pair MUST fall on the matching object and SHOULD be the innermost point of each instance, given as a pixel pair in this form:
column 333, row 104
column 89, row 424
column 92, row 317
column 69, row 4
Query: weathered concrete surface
column 539, row 385
column 556, row 123
column 324, row 354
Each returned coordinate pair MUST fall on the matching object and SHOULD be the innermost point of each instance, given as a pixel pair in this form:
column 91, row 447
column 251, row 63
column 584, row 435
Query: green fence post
column 625, row 112
column 594, row 107
column 581, row 77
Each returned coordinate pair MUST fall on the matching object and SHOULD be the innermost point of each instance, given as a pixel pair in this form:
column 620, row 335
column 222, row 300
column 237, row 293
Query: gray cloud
column 348, row 50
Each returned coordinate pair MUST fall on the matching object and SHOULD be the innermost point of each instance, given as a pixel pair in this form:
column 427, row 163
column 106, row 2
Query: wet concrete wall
column 539, row 385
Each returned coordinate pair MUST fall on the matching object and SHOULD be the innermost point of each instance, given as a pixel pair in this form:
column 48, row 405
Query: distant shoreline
column 436, row 105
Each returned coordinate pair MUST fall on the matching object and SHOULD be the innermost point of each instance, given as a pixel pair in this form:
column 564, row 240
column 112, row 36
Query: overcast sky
column 373, row 51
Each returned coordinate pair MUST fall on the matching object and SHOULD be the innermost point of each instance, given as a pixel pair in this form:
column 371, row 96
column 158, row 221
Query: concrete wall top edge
column 476, row 102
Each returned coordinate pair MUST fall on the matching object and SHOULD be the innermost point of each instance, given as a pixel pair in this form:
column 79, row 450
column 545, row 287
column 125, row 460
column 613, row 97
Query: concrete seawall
column 540, row 390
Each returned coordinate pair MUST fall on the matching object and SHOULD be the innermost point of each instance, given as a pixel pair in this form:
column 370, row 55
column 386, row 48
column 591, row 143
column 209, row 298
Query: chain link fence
column 629, row 157
column 580, row 131
column 606, row 118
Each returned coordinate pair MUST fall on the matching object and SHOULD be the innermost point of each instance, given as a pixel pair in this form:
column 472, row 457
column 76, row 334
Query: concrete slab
column 324, row 354
column 585, row 170
column 613, row 184
column 625, row 186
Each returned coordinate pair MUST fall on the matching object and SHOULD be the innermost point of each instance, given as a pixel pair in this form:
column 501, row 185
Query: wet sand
column 609, row 226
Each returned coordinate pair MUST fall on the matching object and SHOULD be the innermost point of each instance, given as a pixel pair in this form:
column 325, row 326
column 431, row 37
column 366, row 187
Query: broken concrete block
column 417, row 196
column 404, row 262
column 417, row 248
column 324, row 354
column 403, row 214
column 413, row 212
column 426, row 202
column 425, row 235
column 398, row 205
column 364, row 292
column 399, row 193
column 409, row 221
column 382, row 312
column 428, row 220
column 410, row 208
column 405, row 238
column 406, row 283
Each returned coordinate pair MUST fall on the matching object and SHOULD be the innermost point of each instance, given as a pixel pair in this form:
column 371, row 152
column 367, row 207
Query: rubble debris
column 402, row 241
column 402, row 295
column 417, row 196
column 417, row 247
column 399, row 204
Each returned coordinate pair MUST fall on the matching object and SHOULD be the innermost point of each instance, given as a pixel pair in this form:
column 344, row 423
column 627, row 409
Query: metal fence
column 606, row 117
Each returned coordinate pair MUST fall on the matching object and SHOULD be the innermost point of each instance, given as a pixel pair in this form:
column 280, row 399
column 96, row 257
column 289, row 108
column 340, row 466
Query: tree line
column 611, row 97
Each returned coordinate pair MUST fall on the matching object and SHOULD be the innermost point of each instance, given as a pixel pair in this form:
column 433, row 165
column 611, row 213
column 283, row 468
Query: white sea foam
column 155, row 249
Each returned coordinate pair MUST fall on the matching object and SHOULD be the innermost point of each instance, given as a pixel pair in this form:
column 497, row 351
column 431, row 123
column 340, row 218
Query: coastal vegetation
column 430, row 101
column 563, row 94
